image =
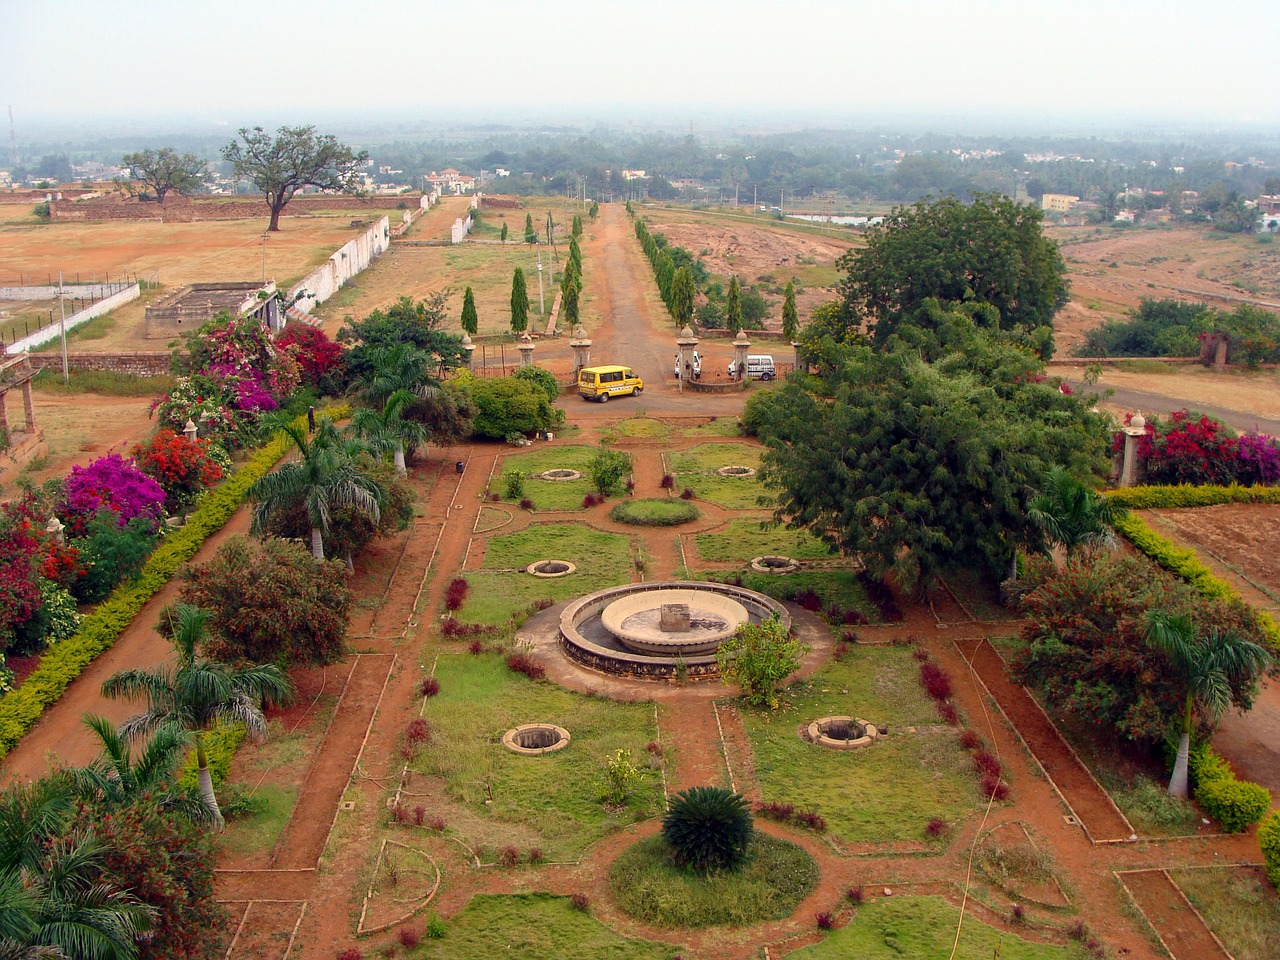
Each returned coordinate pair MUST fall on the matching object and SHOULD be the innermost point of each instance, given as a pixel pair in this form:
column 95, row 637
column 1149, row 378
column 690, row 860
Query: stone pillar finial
column 55, row 528
column 1133, row 435
column 741, row 346
column 190, row 430
column 525, row 346
column 468, row 349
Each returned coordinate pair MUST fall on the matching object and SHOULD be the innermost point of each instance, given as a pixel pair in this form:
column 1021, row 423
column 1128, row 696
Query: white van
column 760, row 367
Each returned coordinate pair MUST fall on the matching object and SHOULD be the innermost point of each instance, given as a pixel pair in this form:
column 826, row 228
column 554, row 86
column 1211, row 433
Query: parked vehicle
column 760, row 367
column 601, row 383
column 693, row 365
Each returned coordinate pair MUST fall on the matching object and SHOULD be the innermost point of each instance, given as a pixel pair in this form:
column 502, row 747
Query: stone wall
column 188, row 209
column 153, row 363
column 345, row 262
column 53, row 331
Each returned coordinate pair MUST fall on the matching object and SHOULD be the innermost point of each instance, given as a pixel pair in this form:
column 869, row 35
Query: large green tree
column 194, row 694
column 295, row 157
column 164, row 170
column 519, row 302
column 991, row 251
column 733, row 306
column 682, row 298
column 923, row 455
column 1207, row 667
column 390, row 430
column 406, row 323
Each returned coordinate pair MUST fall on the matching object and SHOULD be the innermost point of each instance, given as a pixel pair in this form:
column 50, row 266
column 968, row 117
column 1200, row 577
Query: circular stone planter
column 550, row 569
column 558, row 475
column 774, row 564
column 736, row 471
column 535, row 739
column 842, row 733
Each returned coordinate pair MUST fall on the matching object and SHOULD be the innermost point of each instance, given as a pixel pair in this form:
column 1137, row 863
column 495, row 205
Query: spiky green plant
column 708, row 828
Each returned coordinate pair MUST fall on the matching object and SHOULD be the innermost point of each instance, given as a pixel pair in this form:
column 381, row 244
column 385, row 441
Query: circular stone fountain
column 549, row 569
column 535, row 739
column 737, row 471
column 561, row 475
column 661, row 631
column 774, row 564
column 842, row 733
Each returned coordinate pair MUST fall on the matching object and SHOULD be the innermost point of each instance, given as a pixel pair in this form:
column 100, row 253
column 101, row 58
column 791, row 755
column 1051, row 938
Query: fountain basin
column 636, row 620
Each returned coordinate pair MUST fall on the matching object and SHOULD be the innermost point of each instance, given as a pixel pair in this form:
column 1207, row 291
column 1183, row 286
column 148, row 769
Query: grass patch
column 552, row 801
column 883, row 793
column 775, row 877
column 978, row 590
column 744, row 539
column 107, row 383
column 602, row 559
column 1239, row 906
column 259, row 831
column 550, row 494
column 696, row 468
column 654, row 512
column 1142, row 365
column 532, row 927
column 95, row 329
column 925, row 928
column 1150, row 809
column 833, row 587
column 719, row 427
column 642, row 428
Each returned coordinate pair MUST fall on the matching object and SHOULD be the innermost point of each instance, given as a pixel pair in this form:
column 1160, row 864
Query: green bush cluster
column 220, row 745
column 1233, row 803
column 1155, row 497
column 1184, row 563
column 64, row 662
column 1269, row 840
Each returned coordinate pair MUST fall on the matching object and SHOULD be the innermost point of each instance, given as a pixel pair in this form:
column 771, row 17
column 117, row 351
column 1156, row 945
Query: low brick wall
column 188, row 210
column 144, row 364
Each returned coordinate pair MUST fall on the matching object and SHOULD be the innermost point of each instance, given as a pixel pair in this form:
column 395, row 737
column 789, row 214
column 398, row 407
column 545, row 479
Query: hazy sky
column 241, row 61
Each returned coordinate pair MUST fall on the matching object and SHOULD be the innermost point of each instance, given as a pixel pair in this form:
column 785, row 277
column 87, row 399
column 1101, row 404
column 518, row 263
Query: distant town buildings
column 1058, row 202
column 450, row 180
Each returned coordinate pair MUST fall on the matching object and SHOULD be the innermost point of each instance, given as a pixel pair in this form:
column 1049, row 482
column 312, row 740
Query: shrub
column 455, row 594
column 418, row 732
column 970, row 740
column 409, row 937
column 687, row 493
column 505, row 406
column 707, row 828
column 272, row 602
column 523, row 663
column 1203, row 763
column 112, row 553
column 1269, row 841
column 935, row 828
column 351, row 953
column 607, row 468
column 591, row 500
column 947, row 711
column 857, row 895
column 535, row 855
column 580, row 901
column 436, row 823
column 986, row 764
column 1233, row 803
column 654, row 748
column 668, row 481
column 620, row 777
column 758, row 657
column 935, row 681
column 653, row 512
column 526, row 504
column 826, row 920
column 878, row 592
column 115, row 484
column 322, row 361
column 476, row 647
column 509, row 857
column 1018, row 914
column 513, row 484
column 994, row 788
column 54, row 620
column 809, row 599
column 182, row 467
column 544, row 380
column 430, row 686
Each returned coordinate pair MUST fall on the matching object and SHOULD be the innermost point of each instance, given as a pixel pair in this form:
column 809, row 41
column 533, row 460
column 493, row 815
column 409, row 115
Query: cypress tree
column 733, row 307
column 530, row 235
column 519, row 303
column 682, row 297
column 470, row 319
column 790, row 318
column 503, row 237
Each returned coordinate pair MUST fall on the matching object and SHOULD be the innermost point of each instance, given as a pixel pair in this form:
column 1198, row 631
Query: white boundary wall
column 348, row 260
column 54, row 330
column 50, row 292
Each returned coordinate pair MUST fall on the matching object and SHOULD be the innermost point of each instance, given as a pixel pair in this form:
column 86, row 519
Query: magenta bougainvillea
column 114, row 483
column 1259, row 458
column 1194, row 448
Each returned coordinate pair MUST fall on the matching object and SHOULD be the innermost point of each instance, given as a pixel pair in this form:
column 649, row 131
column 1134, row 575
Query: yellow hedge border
column 1156, row 497
column 21, row 708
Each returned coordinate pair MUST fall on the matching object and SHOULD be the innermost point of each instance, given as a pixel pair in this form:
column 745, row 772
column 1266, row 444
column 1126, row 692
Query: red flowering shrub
column 116, row 484
column 456, row 593
column 1191, row 450
column 321, row 359
column 182, row 468
column 523, row 663
column 19, row 590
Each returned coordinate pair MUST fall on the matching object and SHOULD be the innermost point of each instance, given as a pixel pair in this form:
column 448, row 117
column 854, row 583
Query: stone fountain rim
column 814, row 733
column 533, row 568
column 509, row 739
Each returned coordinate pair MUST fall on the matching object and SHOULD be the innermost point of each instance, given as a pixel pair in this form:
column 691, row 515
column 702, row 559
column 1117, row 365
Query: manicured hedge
column 1269, row 840
column 1184, row 562
column 1234, row 803
column 66, row 660
column 1157, row 497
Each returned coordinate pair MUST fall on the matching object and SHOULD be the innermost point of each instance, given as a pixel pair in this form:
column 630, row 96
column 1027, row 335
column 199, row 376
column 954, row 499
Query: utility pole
column 542, row 304
column 62, row 313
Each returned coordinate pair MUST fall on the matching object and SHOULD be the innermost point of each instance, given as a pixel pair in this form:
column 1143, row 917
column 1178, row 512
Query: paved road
column 1133, row 400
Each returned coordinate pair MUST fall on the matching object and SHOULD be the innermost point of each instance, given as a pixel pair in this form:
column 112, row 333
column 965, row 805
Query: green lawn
column 533, row 926
column 259, row 831
column 1239, row 906
column 602, row 559
column 551, row 801
column 881, row 793
column 924, row 928
column 696, row 468
column 550, row 494
column 641, row 427
column 839, row 587
column 719, row 427
column 744, row 539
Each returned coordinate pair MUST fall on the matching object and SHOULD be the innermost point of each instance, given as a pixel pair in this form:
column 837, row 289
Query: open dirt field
column 1111, row 271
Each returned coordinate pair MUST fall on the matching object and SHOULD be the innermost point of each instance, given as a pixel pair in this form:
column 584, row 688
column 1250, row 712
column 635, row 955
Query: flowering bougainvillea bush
column 113, row 483
column 232, row 374
column 1196, row 449
column 323, row 361
column 182, row 467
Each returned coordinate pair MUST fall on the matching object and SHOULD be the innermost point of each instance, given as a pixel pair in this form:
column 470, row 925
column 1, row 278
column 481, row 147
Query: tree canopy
column 164, row 170
column 925, row 453
column 991, row 251
column 294, row 158
column 417, row 325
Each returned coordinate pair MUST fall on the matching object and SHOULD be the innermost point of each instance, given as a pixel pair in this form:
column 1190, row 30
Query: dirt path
column 1175, row 921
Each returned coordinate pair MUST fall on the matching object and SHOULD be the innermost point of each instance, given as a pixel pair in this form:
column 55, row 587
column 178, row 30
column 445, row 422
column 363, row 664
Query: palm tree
column 196, row 694
column 1072, row 515
column 389, row 431
column 52, row 890
column 324, row 478
column 1208, row 667
column 117, row 777
column 400, row 367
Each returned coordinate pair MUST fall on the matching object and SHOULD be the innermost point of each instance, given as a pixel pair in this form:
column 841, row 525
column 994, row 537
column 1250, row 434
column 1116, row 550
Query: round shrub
column 1269, row 841
column 654, row 512
column 1233, row 803
column 708, row 828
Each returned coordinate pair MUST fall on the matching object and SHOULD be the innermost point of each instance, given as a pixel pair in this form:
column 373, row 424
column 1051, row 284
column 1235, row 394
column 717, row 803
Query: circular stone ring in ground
column 549, row 569
column 584, row 638
column 737, row 471
column 710, row 619
column 774, row 564
column 535, row 739
column 560, row 475
column 842, row 733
